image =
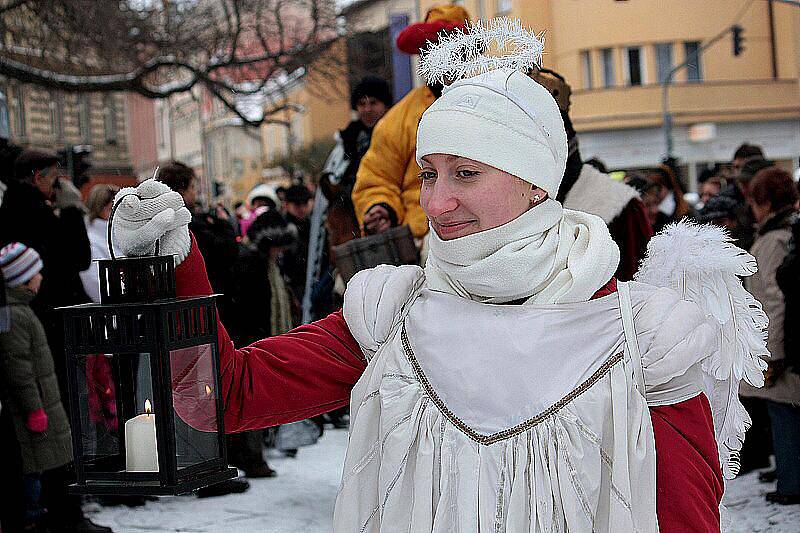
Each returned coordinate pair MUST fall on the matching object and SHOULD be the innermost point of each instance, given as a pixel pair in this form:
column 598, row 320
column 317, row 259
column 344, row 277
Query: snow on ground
column 301, row 499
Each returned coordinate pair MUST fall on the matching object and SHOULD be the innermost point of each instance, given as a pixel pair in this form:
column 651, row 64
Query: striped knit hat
column 19, row 263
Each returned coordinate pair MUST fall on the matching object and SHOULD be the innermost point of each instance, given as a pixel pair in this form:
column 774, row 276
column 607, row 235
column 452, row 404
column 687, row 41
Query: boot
column 259, row 471
column 783, row 499
column 84, row 525
column 231, row 486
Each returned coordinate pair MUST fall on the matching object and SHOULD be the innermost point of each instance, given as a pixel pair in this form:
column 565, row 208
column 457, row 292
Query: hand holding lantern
column 148, row 213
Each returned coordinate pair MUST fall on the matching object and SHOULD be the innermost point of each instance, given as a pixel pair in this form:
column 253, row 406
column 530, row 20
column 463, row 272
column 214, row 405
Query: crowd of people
column 257, row 257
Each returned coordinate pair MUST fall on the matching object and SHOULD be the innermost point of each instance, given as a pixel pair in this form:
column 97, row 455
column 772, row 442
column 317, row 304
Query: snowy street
column 301, row 499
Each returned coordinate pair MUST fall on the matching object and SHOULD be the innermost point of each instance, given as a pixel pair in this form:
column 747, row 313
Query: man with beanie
column 295, row 258
column 386, row 192
column 585, row 188
column 333, row 205
column 40, row 421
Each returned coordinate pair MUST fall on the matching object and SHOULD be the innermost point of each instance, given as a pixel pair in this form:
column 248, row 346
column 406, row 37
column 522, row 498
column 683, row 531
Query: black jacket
column 59, row 235
column 250, row 296
column 216, row 240
column 788, row 278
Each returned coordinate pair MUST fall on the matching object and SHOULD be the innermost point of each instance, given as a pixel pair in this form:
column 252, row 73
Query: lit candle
column 141, row 447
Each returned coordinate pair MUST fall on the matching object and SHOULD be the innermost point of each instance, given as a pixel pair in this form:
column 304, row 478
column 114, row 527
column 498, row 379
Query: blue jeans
column 785, row 420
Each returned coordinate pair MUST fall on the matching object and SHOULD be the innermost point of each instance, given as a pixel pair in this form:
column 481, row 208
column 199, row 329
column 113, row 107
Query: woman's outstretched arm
column 303, row 373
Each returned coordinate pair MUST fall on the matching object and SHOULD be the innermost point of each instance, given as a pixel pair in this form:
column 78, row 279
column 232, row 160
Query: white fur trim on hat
column 501, row 118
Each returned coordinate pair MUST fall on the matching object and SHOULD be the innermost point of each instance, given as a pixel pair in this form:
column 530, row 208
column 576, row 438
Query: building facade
column 616, row 54
column 142, row 132
column 55, row 120
column 232, row 152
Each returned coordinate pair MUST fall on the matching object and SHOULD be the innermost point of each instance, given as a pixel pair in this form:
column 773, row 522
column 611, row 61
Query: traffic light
column 737, row 32
column 81, row 164
column 75, row 160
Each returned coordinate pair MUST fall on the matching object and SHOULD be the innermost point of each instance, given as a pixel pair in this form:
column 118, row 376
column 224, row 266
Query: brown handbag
column 393, row 247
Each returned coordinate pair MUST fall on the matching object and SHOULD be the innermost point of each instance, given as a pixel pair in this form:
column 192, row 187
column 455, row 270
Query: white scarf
column 547, row 255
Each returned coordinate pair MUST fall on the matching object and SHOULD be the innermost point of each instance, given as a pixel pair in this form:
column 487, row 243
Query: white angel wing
column 703, row 265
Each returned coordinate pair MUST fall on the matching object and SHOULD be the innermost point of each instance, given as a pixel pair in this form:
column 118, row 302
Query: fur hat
column 719, row 206
column 270, row 229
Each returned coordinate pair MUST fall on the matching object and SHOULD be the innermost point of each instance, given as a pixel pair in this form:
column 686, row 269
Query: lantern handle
column 110, row 223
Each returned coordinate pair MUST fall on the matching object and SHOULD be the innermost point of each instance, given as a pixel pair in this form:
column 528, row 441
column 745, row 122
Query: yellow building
column 319, row 106
column 615, row 55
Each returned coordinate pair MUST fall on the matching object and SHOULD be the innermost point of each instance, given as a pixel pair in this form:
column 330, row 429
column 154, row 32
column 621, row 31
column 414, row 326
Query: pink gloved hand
column 37, row 421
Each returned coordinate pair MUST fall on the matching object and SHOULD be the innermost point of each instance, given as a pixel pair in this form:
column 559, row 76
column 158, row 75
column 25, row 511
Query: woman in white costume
column 511, row 385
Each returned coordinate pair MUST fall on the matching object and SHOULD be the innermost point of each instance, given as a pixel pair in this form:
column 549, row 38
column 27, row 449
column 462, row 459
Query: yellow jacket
column 388, row 172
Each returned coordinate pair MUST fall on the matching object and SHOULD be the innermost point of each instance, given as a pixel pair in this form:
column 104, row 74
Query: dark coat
column 788, row 277
column 59, row 235
column 30, row 381
column 294, row 263
column 216, row 239
column 250, row 295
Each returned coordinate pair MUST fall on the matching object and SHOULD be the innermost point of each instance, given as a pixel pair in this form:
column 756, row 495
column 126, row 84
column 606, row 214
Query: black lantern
column 144, row 388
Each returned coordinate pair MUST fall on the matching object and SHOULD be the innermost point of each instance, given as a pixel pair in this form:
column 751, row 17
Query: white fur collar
column 598, row 194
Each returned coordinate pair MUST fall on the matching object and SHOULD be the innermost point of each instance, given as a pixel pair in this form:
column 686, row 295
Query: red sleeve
column 631, row 230
column 688, row 476
column 303, row 373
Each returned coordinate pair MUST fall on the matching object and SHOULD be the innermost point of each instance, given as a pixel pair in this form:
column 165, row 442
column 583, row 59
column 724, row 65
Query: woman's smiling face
column 461, row 196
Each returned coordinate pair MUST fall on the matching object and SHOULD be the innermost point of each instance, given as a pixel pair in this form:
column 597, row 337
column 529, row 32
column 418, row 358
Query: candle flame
column 148, row 409
column 208, row 390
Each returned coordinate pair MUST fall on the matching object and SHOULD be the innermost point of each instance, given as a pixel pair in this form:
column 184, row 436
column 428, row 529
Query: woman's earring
column 536, row 198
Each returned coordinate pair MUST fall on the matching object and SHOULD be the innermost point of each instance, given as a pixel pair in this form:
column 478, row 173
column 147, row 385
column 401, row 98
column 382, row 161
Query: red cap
column 446, row 18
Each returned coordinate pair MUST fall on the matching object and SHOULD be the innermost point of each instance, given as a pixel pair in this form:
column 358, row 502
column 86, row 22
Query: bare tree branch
column 233, row 48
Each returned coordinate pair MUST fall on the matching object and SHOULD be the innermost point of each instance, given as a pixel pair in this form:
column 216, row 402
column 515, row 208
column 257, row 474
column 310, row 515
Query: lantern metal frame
column 139, row 313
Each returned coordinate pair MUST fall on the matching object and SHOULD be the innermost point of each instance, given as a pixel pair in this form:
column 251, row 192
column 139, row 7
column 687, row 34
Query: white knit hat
column 19, row 263
column 501, row 118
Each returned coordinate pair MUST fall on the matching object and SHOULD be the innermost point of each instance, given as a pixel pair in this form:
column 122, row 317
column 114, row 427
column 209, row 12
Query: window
column 586, row 61
column 663, row 60
column 5, row 127
column 110, row 119
column 694, row 71
column 84, row 117
column 503, row 6
column 57, row 114
column 19, row 111
column 607, row 55
column 634, row 73
column 162, row 123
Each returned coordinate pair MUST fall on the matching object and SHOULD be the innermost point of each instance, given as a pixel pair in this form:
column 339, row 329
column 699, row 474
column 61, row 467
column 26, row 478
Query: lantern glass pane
column 194, row 397
column 112, row 390
column 98, row 406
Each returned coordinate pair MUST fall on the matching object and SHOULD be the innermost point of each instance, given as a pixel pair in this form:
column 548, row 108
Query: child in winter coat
column 40, row 421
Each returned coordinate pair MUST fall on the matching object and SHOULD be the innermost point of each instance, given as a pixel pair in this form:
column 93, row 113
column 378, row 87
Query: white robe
column 479, row 417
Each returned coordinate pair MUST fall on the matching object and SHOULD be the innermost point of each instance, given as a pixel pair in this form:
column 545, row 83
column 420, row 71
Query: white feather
column 461, row 53
column 704, row 266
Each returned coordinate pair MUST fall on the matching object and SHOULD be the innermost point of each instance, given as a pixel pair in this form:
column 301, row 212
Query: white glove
column 152, row 211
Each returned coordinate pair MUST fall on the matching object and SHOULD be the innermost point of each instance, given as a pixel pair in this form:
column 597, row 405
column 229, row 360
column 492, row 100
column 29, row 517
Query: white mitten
column 150, row 212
